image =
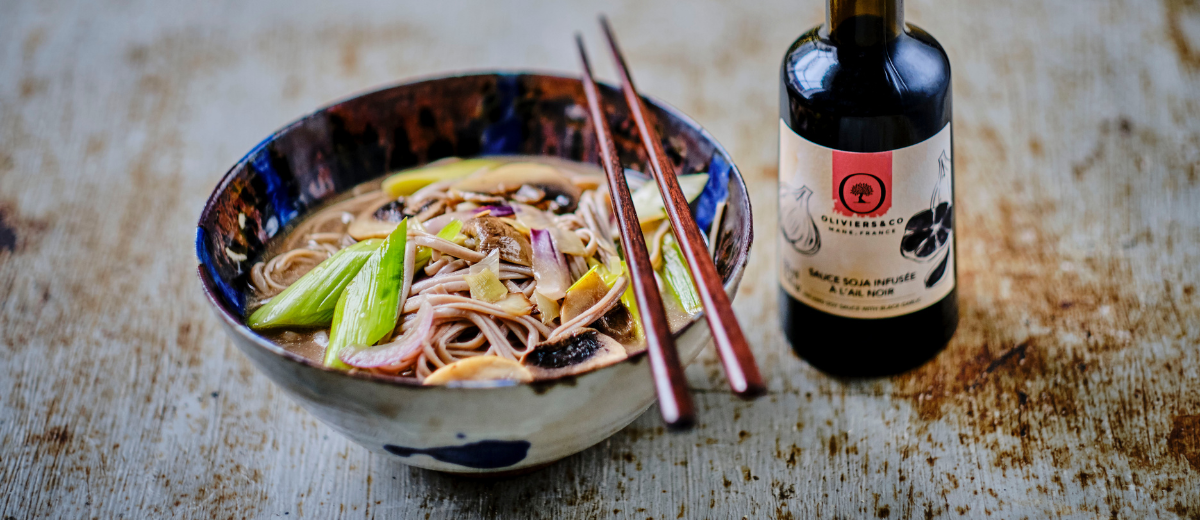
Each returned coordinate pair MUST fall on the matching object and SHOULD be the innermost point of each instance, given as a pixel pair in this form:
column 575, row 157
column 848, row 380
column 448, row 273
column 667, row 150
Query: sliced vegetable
column 558, row 193
column 310, row 301
column 547, row 307
column 585, row 293
column 549, row 267
column 486, row 286
column 364, row 228
column 480, row 368
column 408, row 182
column 490, row 262
column 649, row 205
column 484, row 279
column 566, row 241
column 516, row 304
column 678, row 277
column 425, row 254
column 368, row 308
column 495, row 211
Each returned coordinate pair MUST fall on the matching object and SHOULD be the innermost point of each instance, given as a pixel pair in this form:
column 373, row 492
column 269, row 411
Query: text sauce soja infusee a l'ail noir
column 867, row 268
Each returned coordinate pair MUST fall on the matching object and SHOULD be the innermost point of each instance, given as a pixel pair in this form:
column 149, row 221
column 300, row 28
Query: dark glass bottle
column 865, row 82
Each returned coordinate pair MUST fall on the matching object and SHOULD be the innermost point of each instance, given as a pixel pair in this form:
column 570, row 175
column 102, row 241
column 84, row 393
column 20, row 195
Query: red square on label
column 862, row 183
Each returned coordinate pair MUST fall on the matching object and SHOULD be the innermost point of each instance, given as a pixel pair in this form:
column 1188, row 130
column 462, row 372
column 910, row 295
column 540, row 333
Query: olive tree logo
column 862, row 189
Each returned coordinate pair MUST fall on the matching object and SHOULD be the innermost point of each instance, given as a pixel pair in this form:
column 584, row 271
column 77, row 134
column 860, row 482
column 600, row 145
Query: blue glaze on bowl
column 478, row 455
column 715, row 192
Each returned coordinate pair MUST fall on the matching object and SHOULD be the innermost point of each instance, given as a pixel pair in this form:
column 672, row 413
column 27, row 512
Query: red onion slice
column 549, row 266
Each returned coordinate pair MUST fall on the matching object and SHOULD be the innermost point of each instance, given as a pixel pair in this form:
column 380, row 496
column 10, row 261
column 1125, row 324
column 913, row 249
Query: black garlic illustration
column 929, row 231
column 939, row 270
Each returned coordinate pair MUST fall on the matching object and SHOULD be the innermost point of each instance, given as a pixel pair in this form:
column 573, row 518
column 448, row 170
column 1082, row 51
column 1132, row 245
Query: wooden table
column 1070, row 391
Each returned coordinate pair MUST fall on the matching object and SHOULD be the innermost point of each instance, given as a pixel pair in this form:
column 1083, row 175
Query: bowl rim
column 236, row 324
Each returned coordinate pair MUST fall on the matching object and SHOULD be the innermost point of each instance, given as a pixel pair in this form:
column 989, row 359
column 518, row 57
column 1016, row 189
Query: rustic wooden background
column 1070, row 391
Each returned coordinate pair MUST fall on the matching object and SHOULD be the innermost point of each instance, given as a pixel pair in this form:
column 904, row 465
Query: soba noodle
column 436, row 298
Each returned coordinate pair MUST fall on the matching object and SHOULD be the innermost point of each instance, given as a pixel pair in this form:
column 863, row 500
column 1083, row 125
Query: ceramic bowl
column 503, row 427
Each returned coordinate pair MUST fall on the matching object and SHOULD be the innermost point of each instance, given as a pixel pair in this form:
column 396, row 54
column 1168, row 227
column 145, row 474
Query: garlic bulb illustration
column 796, row 222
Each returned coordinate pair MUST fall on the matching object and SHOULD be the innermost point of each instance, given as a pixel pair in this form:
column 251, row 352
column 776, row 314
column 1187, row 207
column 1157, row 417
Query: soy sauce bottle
column 867, row 265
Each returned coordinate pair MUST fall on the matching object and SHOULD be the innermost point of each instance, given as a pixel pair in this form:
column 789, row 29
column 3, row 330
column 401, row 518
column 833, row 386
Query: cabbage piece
column 485, row 286
column 549, row 267
column 516, row 304
column 408, row 182
column 649, row 205
column 310, row 301
column 491, row 262
column 547, row 307
column 369, row 306
column 483, row 278
column 678, row 277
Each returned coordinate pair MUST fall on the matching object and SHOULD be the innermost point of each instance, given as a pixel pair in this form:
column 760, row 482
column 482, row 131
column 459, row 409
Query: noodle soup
column 497, row 268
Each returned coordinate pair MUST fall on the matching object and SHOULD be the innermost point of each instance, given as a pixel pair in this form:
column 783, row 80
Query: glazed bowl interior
column 317, row 159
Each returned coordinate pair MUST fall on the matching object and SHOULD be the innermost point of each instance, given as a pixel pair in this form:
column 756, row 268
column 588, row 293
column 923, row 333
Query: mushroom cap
column 480, row 368
column 377, row 220
column 585, row 350
column 492, row 233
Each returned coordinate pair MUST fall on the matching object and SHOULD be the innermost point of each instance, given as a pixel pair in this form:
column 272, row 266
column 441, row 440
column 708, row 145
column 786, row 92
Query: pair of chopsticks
column 740, row 368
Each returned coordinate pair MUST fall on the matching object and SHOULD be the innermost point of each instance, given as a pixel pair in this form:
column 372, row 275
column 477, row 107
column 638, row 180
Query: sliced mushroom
column 586, row 349
column 491, row 233
column 392, row 211
column 480, row 368
column 557, row 192
column 620, row 325
column 377, row 220
column 529, row 195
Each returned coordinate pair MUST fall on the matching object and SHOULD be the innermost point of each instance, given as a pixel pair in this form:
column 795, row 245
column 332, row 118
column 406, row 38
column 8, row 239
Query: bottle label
column 866, row 235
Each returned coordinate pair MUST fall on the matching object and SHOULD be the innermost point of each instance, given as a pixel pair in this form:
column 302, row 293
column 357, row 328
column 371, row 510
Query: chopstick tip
column 751, row 391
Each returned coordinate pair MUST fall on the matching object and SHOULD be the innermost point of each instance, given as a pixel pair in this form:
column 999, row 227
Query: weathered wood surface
column 1070, row 391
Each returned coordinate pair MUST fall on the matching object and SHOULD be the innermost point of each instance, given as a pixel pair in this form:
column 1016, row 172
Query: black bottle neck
column 863, row 23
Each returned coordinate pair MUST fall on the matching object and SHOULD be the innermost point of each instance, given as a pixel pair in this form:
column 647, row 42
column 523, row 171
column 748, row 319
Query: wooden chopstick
column 740, row 368
column 669, row 381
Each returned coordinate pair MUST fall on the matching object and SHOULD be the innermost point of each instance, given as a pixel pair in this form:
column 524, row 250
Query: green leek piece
column 425, row 254
column 678, row 277
column 408, row 182
column 486, row 286
column 649, row 205
column 310, row 301
column 369, row 306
